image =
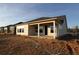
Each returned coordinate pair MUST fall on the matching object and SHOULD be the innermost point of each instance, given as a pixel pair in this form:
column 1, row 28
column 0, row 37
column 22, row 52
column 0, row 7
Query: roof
column 43, row 18
column 38, row 19
column 13, row 24
column 18, row 23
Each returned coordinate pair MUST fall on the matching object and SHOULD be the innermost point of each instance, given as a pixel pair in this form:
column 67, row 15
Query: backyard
column 22, row 45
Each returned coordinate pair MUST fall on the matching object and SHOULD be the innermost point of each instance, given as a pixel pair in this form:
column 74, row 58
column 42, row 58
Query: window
column 52, row 29
column 20, row 30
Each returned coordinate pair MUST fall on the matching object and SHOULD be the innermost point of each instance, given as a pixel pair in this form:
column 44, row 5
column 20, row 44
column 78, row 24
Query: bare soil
column 22, row 45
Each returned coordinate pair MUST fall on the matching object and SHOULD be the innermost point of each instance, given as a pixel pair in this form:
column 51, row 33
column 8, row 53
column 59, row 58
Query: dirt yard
column 21, row 45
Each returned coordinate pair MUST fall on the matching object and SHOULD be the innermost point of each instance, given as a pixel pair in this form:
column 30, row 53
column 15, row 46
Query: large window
column 20, row 30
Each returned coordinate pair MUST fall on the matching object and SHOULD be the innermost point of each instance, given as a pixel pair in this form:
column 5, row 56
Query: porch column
column 38, row 30
column 54, row 29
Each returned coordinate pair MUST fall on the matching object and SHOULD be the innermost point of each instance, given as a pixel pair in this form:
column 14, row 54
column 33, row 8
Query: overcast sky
column 14, row 13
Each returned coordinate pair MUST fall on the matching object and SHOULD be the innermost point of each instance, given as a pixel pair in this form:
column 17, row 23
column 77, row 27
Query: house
column 6, row 29
column 44, row 26
column 1, row 29
column 12, row 29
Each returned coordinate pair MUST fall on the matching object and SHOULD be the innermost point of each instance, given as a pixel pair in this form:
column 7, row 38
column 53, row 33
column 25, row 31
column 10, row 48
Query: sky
column 11, row 13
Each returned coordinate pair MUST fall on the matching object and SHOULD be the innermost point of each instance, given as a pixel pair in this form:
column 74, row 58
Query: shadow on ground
column 69, row 37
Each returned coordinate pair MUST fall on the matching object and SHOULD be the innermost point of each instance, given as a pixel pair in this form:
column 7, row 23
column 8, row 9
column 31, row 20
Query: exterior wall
column 54, row 30
column 25, row 27
column 49, row 31
column 62, row 29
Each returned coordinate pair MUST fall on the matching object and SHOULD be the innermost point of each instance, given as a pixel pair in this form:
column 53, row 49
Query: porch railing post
column 38, row 30
column 54, row 29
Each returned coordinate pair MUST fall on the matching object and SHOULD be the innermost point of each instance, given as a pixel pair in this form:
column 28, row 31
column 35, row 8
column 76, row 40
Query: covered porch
column 43, row 29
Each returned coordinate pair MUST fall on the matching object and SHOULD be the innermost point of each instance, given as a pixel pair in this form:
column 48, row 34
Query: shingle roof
column 43, row 18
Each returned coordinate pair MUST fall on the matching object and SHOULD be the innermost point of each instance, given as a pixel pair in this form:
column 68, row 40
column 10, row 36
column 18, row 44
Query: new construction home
column 10, row 29
column 43, row 27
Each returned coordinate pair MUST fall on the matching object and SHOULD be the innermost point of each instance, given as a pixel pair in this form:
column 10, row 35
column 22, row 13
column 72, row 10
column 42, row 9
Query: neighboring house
column 6, row 29
column 44, row 26
column 1, row 29
column 12, row 29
